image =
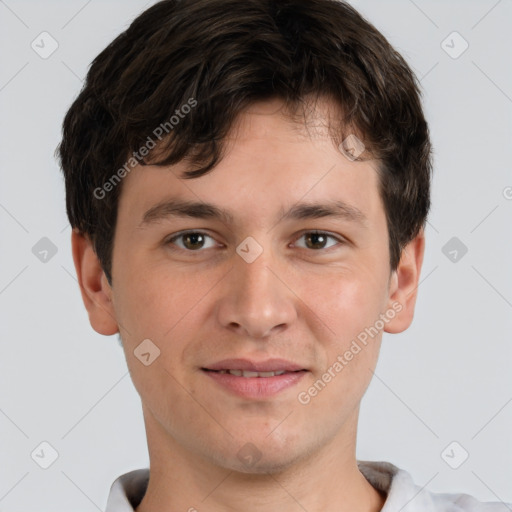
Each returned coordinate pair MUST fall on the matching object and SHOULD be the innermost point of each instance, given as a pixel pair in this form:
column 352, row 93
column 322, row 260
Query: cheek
column 154, row 301
column 349, row 310
column 163, row 307
column 350, row 302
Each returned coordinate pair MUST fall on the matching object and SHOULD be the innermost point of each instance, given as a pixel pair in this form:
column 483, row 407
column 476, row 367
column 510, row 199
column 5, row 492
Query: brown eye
column 191, row 240
column 317, row 240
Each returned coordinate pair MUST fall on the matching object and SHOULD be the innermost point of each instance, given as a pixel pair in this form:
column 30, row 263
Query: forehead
column 309, row 119
column 272, row 159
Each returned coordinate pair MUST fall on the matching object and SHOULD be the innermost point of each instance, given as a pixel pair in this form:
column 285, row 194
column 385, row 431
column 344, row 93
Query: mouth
column 254, row 380
column 236, row 365
column 251, row 374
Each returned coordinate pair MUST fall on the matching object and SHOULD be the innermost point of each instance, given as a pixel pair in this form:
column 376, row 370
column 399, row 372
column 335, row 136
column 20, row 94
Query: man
column 248, row 182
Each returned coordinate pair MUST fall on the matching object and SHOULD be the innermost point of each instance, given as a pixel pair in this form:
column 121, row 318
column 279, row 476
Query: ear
column 96, row 292
column 403, row 287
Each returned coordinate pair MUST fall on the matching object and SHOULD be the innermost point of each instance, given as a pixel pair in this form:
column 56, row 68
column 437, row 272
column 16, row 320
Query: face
column 270, row 279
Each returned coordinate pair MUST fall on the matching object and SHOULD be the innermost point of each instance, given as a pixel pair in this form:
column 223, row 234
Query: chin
column 262, row 467
column 261, row 458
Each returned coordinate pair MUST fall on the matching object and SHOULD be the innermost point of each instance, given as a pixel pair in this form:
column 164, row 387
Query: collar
column 402, row 493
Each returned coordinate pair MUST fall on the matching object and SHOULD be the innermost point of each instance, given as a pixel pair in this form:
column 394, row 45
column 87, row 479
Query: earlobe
column 94, row 287
column 404, row 285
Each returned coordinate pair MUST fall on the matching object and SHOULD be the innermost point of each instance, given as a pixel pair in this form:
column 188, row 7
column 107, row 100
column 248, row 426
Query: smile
column 254, row 385
column 246, row 373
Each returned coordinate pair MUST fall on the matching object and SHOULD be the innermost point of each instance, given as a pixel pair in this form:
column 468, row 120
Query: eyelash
column 170, row 241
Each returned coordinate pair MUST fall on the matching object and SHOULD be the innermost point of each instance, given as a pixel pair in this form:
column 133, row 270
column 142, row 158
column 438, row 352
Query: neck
column 327, row 480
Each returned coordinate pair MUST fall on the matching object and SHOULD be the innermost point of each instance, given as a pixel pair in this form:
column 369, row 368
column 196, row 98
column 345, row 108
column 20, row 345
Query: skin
column 299, row 300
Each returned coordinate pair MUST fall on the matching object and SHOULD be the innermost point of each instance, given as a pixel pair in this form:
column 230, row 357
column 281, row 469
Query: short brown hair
column 225, row 55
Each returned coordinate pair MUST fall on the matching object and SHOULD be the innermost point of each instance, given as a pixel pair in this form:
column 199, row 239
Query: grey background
column 445, row 379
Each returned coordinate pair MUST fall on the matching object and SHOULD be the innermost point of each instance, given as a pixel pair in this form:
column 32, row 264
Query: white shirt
column 402, row 493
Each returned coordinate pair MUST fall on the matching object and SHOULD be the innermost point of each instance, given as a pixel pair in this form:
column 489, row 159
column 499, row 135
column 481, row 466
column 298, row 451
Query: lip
column 256, row 387
column 269, row 365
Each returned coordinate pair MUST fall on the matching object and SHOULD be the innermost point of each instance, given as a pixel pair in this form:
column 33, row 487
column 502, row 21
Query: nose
column 256, row 301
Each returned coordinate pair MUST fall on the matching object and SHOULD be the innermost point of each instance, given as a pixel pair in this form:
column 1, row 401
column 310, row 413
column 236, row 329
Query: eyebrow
column 200, row 210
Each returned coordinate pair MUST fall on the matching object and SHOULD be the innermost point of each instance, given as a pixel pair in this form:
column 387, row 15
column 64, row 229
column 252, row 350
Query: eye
column 316, row 240
column 192, row 240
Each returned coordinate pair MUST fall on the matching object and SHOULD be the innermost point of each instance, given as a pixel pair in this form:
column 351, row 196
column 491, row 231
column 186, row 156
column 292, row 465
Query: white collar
column 402, row 493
